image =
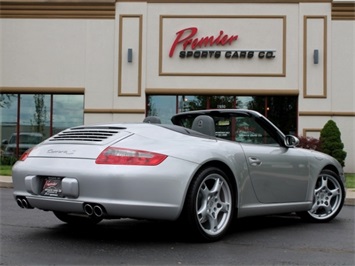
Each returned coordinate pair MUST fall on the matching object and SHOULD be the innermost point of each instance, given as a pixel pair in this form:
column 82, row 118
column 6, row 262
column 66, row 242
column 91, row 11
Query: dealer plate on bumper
column 52, row 187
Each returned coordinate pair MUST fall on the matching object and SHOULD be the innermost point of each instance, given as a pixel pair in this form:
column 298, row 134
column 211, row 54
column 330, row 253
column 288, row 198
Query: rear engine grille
column 87, row 134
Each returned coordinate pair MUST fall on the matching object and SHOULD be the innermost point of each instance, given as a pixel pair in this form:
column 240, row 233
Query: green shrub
column 330, row 142
column 5, row 170
column 350, row 180
column 7, row 160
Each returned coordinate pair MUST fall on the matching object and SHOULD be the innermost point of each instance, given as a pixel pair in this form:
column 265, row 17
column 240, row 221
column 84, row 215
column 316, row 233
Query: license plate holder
column 52, row 187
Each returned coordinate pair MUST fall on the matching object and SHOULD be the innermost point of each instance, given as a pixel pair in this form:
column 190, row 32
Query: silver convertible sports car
column 204, row 169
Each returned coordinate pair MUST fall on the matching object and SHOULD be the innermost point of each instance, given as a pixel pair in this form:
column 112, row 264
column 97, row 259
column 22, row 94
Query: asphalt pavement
column 6, row 182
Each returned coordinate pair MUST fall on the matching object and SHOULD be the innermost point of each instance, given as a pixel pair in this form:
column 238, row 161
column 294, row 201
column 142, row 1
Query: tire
column 209, row 205
column 329, row 195
column 74, row 219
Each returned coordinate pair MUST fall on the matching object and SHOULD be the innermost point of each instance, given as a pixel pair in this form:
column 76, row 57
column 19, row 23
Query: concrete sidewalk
column 6, row 182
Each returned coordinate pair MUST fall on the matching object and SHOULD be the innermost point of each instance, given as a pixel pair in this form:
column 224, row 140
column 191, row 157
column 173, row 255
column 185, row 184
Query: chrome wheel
column 213, row 204
column 328, row 197
column 210, row 204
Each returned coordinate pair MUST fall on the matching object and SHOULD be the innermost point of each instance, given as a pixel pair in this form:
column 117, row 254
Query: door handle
column 253, row 161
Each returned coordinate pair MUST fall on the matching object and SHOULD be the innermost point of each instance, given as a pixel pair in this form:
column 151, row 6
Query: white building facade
column 109, row 61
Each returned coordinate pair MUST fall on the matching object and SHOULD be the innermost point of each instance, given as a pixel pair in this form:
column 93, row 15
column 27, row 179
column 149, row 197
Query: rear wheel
column 329, row 194
column 209, row 206
column 77, row 219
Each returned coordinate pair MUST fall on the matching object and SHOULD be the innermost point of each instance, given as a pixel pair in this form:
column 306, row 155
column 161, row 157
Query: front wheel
column 329, row 194
column 209, row 205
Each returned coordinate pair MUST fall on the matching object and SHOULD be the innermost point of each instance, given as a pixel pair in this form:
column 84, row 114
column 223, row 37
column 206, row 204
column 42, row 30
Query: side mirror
column 291, row 141
column 4, row 142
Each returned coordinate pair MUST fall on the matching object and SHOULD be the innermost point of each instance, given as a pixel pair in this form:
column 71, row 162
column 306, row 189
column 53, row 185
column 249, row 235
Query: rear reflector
column 122, row 156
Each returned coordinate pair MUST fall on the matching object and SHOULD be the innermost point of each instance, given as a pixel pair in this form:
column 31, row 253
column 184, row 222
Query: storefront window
column 65, row 106
column 222, row 102
column 281, row 110
column 34, row 114
column 162, row 106
column 27, row 119
column 191, row 103
column 8, row 118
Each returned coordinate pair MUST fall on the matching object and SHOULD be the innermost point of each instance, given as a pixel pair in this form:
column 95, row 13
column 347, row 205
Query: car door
column 278, row 174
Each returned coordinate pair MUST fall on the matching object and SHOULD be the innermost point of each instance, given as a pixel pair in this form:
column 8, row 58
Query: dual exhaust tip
column 90, row 209
column 94, row 210
column 23, row 203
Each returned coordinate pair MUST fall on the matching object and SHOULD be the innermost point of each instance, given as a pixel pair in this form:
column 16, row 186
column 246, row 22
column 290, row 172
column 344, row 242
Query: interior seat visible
column 152, row 120
column 205, row 125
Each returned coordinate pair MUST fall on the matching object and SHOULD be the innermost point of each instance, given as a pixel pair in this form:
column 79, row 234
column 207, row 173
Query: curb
column 349, row 202
column 5, row 185
column 350, row 197
column 6, row 182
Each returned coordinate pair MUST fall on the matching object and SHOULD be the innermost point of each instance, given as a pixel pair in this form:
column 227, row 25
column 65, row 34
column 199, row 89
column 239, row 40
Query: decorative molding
column 204, row 74
column 58, row 9
column 36, row 90
column 105, row 9
column 217, row 91
column 343, row 10
column 305, row 130
column 325, row 113
column 121, row 57
column 228, row 1
column 324, row 57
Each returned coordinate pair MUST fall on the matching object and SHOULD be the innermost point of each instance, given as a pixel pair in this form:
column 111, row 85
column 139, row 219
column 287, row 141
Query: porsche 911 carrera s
column 205, row 168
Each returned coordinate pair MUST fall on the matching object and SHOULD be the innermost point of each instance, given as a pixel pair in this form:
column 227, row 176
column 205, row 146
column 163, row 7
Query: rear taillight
column 25, row 154
column 122, row 156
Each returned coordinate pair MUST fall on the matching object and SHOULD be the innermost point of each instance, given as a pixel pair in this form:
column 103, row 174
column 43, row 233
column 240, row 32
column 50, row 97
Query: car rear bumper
column 110, row 208
column 121, row 191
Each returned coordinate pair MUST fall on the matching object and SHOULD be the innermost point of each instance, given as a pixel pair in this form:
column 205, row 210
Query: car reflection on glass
column 27, row 141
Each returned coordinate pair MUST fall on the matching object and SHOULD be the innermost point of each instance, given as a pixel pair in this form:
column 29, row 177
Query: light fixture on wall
column 129, row 55
column 315, row 56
